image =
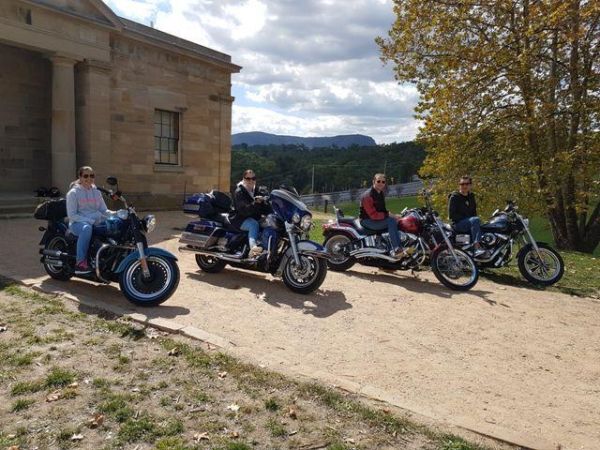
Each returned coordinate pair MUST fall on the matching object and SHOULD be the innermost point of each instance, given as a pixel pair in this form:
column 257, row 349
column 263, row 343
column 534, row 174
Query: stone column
column 64, row 161
column 92, row 103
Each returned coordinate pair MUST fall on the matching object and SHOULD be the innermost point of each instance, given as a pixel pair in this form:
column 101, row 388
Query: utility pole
column 312, row 184
column 385, row 167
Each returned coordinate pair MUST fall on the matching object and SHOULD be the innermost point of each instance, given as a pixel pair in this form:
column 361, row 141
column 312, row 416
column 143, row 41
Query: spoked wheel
column 155, row 289
column 334, row 246
column 61, row 269
column 210, row 264
column 459, row 273
column 544, row 269
column 306, row 277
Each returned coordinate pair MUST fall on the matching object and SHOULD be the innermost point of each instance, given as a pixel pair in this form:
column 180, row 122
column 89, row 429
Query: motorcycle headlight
column 296, row 218
column 526, row 222
column 122, row 214
column 306, row 222
column 149, row 223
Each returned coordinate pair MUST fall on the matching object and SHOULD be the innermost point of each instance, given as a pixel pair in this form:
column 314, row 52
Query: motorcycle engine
column 488, row 239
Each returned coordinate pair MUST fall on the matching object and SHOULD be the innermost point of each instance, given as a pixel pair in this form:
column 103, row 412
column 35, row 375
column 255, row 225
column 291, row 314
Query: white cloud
column 309, row 66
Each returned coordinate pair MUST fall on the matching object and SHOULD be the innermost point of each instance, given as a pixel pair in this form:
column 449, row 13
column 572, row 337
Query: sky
column 310, row 67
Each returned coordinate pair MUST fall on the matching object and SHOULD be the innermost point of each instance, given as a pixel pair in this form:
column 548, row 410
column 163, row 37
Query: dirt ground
column 75, row 377
column 515, row 363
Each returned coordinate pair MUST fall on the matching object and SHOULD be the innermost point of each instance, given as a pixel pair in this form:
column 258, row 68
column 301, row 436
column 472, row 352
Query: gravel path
column 511, row 362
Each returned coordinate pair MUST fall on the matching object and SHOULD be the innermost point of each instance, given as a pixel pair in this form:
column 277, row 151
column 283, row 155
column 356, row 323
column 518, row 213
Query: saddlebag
column 207, row 205
column 51, row 210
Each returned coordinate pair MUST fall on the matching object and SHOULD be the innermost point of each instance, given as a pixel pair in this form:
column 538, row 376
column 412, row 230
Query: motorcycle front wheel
column 306, row 277
column 60, row 270
column 155, row 289
column 459, row 274
column 544, row 269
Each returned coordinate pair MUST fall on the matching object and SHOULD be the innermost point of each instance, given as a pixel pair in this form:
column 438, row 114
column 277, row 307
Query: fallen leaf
column 74, row 384
column 233, row 407
column 235, row 434
column 291, row 433
column 54, row 396
column 13, row 447
column 11, row 436
column 77, row 437
column 201, row 437
column 96, row 421
column 222, row 375
column 292, row 413
column 386, row 411
column 350, row 441
column 174, row 352
column 135, row 389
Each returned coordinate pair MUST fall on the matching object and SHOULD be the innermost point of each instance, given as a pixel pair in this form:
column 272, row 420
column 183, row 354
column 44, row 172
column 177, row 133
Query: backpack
column 51, row 210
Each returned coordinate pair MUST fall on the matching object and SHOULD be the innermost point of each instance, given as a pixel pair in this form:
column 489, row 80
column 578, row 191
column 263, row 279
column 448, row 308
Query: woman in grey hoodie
column 85, row 208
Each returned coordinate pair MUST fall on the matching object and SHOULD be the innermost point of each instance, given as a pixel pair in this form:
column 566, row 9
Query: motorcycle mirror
column 112, row 181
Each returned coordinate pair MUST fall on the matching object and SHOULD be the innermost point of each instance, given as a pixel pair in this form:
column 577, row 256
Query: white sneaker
column 255, row 251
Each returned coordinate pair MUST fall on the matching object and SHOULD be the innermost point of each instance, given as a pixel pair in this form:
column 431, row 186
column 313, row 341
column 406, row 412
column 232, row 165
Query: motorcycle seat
column 223, row 218
column 364, row 230
column 355, row 222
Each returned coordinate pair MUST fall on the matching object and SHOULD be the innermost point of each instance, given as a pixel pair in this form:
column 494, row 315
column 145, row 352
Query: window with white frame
column 166, row 137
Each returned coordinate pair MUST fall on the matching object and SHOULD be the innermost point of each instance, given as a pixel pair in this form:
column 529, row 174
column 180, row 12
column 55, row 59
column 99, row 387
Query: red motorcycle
column 349, row 242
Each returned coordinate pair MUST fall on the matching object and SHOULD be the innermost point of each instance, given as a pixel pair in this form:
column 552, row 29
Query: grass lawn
column 80, row 378
column 582, row 271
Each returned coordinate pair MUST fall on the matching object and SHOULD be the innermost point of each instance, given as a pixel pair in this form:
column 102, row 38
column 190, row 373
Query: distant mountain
column 260, row 138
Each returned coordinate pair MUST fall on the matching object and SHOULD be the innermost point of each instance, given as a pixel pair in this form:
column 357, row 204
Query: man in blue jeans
column 462, row 210
column 375, row 216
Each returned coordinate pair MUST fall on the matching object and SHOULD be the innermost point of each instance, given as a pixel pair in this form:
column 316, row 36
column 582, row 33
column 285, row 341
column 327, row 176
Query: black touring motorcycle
column 289, row 254
column 539, row 263
column 148, row 276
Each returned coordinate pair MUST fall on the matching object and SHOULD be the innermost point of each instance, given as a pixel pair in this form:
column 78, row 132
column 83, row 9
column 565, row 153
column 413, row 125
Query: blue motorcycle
column 289, row 254
column 118, row 252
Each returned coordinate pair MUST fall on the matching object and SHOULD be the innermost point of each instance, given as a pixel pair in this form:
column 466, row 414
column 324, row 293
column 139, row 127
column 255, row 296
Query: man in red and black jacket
column 375, row 216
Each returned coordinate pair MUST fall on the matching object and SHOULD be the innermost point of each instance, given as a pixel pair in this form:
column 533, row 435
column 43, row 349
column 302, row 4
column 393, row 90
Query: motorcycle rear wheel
column 210, row 264
column 62, row 273
column 338, row 262
column 308, row 277
column 541, row 273
column 446, row 271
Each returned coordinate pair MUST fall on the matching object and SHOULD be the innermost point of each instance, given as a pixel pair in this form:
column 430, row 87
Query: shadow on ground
column 111, row 295
column 320, row 304
column 420, row 285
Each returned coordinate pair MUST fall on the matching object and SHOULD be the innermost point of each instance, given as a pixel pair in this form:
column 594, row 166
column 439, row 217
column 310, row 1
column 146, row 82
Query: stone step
column 21, row 200
column 17, row 209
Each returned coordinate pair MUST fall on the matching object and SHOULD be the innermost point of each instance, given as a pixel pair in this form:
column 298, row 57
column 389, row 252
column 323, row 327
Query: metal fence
column 394, row 190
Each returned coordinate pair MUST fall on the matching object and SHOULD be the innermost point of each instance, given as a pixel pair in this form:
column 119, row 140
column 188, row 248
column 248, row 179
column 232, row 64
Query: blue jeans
column 470, row 225
column 388, row 223
column 84, row 231
column 251, row 226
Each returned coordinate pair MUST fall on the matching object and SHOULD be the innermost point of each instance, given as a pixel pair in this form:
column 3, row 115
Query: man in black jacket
column 462, row 210
column 249, row 207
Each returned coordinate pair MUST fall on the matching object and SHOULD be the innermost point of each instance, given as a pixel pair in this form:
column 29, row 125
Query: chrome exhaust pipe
column 222, row 256
column 376, row 255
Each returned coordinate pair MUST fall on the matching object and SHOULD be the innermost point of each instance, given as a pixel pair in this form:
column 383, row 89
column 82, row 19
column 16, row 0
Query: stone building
column 82, row 86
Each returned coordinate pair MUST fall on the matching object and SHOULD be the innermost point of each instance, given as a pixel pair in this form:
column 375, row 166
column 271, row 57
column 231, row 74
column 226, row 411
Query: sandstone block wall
column 144, row 78
column 25, row 111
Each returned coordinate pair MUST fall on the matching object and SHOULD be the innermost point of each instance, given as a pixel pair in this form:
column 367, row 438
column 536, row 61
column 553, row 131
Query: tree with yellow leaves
column 510, row 94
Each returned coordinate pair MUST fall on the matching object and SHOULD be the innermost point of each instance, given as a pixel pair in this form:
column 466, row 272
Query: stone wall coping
column 174, row 44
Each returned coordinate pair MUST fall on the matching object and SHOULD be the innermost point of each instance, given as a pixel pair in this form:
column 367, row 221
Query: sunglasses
column 380, row 181
column 250, row 178
column 464, row 184
column 88, row 175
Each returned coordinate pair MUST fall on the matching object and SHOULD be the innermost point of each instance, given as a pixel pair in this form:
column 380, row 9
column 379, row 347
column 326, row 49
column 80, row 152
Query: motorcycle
column 118, row 252
column 538, row 262
column 289, row 254
column 349, row 242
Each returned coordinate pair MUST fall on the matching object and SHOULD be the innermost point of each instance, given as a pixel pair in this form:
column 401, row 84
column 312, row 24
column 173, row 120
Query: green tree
column 509, row 94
